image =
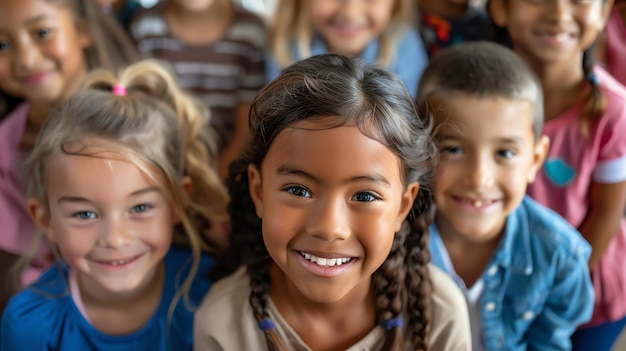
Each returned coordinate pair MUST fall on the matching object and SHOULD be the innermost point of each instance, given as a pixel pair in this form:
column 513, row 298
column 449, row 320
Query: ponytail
column 595, row 102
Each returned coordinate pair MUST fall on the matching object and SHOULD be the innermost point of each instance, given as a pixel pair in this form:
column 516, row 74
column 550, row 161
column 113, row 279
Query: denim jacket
column 537, row 287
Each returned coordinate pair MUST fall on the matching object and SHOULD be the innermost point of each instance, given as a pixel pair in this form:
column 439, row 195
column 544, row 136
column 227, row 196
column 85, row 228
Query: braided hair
column 378, row 103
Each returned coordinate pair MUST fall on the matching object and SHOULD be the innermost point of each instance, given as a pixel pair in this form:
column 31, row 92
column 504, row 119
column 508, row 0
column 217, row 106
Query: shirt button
column 492, row 271
column 528, row 315
column 490, row 306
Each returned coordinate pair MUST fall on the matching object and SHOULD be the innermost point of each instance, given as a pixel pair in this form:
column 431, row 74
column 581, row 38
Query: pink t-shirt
column 573, row 162
column 17, row 230
column 616, row 44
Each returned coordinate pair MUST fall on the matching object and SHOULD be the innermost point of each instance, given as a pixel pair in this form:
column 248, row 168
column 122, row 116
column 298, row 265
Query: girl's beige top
column 225, row 320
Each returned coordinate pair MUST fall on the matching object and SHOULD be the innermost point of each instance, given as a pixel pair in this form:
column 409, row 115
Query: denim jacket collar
column 514, row 250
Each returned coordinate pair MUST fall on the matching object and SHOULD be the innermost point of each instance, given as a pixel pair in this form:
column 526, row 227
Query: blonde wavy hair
column 155, row 126
column 291, row 25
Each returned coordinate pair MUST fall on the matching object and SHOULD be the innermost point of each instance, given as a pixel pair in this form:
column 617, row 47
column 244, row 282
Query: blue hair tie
column 266, row 324
column 392, row 323
column 593, row 79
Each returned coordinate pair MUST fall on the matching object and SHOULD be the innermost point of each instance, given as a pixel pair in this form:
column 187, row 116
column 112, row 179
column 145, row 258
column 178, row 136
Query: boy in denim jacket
column 522, row 268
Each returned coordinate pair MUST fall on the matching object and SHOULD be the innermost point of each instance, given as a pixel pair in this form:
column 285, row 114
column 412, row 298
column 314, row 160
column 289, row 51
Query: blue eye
column 452, row 150
column 4, row 45
column 298, row 191
column 85, row 215
column 43, row 33
column 506, row 153
column 140, row 208
column 365, row 197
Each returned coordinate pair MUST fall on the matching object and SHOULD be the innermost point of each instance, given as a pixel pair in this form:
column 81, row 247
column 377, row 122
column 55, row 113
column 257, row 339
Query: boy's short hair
column 482, row 70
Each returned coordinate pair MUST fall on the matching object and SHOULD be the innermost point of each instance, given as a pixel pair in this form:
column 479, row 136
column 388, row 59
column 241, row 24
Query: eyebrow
column 75, row 199
column 372, row 178
column 505, row 140
column 29, row 21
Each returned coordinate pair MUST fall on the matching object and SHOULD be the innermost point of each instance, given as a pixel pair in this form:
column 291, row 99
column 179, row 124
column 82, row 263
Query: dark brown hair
column 111, row 47
column 379, row 104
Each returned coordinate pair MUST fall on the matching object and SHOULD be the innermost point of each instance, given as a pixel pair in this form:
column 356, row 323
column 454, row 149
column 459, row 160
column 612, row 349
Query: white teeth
column 325, row 262
column 121, row 262
column 477, row 203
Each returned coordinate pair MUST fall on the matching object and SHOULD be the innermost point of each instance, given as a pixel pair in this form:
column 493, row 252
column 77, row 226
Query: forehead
column 489, row 117
column 28, row 12
column 331, row 152
column 81, row 173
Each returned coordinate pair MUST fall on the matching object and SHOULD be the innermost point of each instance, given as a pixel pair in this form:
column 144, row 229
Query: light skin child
column 551, row 37
column 348, row 27
column 486, row 164
column 114, row 234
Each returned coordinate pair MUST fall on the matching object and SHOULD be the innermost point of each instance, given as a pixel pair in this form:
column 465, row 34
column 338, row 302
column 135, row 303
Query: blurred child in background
column 217, row 50
column 378, row 31
column 584, row 177
column 444, row 23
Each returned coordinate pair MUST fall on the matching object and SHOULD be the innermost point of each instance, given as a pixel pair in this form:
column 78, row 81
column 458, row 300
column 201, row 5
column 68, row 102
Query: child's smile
column 330, row 199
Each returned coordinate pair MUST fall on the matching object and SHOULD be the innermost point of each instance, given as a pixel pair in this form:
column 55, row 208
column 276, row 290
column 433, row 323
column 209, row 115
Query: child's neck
column 199, row 28
column 333, row 326
column 444, row 8
column 119, row 314
column 469, row 258
column 562, row 83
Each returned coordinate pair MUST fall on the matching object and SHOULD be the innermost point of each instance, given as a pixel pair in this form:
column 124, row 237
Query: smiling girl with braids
column 329, row 213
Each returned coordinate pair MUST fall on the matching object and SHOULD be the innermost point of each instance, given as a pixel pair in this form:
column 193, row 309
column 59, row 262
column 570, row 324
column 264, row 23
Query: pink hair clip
column 119, row 90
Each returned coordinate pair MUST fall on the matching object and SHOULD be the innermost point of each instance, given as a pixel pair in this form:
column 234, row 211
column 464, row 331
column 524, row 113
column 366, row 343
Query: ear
column 540, row 153
column 255, row 186
column 497, row 10
column 41, row 216
column 606, row 11
column 408, row 197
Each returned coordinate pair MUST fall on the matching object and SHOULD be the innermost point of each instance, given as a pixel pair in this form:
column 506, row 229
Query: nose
column 329, row 219
column 115, row 234
column 480, row 172
column 27, row 55
column 559, row 11
column 350, row 8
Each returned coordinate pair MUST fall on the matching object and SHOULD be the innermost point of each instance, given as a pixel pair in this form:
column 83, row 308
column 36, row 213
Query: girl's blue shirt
column 409, row 58
column 44, row 316
column 537, row 286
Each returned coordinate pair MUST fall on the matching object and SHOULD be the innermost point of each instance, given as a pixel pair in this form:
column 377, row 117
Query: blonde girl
column 121, row 185
column 46, row 48
column 379, row 31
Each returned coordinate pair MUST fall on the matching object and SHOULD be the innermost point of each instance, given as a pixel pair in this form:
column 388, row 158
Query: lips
column 477, row 203
column 35, row 79
column 325, row 265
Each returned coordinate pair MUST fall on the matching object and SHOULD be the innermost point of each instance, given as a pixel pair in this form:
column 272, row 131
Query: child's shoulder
column 178, row 264
column 614, row 92
column 548, row 231
column 450, row 320
column 40, row 310
column 225, row 317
